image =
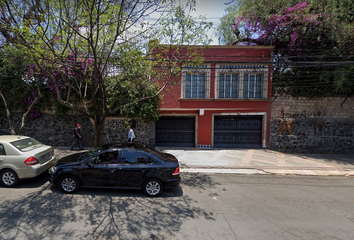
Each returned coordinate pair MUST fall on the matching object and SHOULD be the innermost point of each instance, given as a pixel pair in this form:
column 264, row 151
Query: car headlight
column 53, row 169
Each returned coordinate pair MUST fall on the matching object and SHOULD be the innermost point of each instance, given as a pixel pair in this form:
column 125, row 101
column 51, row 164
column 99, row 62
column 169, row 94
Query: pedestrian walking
column 131, row 135
column 77, row 137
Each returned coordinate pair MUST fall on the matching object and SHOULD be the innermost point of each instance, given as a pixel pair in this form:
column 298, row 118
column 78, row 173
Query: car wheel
column 9, row 178
column 153, row 187
column 69, row 184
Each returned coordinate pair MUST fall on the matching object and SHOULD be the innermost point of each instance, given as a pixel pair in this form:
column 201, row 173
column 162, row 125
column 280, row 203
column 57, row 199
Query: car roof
column 11, row 138
column 125, row 145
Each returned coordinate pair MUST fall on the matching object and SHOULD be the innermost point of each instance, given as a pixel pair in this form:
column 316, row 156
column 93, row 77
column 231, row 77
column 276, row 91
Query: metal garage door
column 175, row 131
column 238, row 131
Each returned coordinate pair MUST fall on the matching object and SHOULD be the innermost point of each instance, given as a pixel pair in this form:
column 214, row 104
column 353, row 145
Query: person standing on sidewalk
column 131, row 135
column 77, row 137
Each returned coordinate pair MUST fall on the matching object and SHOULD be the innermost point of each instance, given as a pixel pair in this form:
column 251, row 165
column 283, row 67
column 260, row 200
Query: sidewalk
column 255, row 161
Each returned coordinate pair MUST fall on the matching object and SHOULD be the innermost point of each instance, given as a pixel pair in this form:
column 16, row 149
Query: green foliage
column 127, row 92
column 133, row 84
column 177, row 27
column 12, row 82
column 74, row 45
column 179, row 40
column 313, row 53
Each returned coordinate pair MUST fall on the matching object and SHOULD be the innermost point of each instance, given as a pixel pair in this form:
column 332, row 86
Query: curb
column 311, row 172
column 295, row 172
column 223, row 170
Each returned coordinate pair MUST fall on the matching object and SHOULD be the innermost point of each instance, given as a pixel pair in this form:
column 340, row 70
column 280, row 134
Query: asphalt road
column 206, row 206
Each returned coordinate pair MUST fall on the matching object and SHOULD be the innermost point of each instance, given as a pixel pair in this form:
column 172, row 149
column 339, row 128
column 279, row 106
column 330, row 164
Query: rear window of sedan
column 154, row 152
column 27, row 144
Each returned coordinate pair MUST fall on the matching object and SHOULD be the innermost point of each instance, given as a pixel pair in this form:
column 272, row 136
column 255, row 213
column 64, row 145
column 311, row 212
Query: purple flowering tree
column 12, row 85
column 73, row 44
column 311, row 39
column 92, row 55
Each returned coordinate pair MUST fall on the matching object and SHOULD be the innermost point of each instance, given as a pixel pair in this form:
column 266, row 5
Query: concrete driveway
column 255, row 161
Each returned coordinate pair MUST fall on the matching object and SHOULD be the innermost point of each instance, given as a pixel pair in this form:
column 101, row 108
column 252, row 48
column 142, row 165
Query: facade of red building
column 223, row 103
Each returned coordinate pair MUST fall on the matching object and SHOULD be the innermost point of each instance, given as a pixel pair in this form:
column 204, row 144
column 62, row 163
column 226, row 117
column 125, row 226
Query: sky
column 213, row 10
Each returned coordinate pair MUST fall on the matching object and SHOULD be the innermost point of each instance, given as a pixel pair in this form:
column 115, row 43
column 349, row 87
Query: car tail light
column 31, row 161
column 176, row 172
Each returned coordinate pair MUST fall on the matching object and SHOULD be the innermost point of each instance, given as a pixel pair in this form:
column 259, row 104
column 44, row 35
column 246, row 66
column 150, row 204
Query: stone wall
column 58, row 131
column 322, row 125
column 297, row 125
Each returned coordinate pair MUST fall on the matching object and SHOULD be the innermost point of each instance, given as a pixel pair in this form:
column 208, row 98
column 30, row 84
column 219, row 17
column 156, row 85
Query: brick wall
column 319, row 125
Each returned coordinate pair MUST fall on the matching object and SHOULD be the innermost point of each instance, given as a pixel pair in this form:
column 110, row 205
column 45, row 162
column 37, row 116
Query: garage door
column 238, row 131
column 175, row 131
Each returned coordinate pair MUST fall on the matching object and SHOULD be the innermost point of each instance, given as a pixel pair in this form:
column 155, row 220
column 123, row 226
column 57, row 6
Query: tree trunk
column 98, row 126
column 11, row 127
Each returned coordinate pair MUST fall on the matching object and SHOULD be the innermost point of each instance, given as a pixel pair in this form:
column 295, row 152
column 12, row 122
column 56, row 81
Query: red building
column 224, row 103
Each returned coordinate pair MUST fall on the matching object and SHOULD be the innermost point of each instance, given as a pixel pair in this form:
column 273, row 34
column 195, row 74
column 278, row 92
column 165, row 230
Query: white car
column 23, row 157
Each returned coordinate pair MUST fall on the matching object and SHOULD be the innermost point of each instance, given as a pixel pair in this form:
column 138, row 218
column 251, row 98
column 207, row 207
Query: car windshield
column 26, row 144
column 89, row 153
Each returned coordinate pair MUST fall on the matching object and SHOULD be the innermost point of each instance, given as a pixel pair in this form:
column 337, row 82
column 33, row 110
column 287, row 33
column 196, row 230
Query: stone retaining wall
column 297, row 125
column 332, row 108
column 58, row 131
column 321, row 125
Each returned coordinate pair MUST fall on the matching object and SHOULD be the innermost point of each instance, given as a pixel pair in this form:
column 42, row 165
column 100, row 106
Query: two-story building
column 223, row 103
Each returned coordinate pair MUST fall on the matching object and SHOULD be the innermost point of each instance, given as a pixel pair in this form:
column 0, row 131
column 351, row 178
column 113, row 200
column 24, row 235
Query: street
column 206, row 206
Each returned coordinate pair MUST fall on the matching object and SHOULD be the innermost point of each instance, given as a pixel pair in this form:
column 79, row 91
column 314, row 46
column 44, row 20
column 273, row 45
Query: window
column 195, row 82
column 133, row 158
column 2, row 150
column 106, row 158
column 26, row 144
column 195, row 86
column 241, row 81
column 252, row 86
column 228, row 85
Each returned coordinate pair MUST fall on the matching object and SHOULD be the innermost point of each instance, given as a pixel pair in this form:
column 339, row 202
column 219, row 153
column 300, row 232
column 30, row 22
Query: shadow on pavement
column 113, row 192
column 34, row 182
column 97, row 214
column 198, row 181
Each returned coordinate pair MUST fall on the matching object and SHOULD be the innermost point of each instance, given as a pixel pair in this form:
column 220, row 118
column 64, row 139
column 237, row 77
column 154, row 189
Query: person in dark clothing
column 112, row 157
column 77, row 137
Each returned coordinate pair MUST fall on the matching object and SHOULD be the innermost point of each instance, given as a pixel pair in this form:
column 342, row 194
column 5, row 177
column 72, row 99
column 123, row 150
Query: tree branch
column 8, row 115
column 29, row 109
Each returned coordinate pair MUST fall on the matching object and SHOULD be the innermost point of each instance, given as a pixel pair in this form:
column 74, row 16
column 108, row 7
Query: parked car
column 125, row 166
column 23, row 157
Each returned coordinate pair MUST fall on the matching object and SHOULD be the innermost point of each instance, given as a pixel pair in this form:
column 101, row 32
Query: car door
column 99, row 172
column 130, row 171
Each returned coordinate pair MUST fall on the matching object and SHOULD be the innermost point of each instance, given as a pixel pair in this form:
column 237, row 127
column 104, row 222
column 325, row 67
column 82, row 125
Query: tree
column 90, row 53
column 313, row 52
column 11, row 83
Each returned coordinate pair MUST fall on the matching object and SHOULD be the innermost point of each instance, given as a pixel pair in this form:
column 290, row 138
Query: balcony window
column 252, row 85
column 195, row 82
column 195, row 86
column 228, row 85
column 241, row 82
